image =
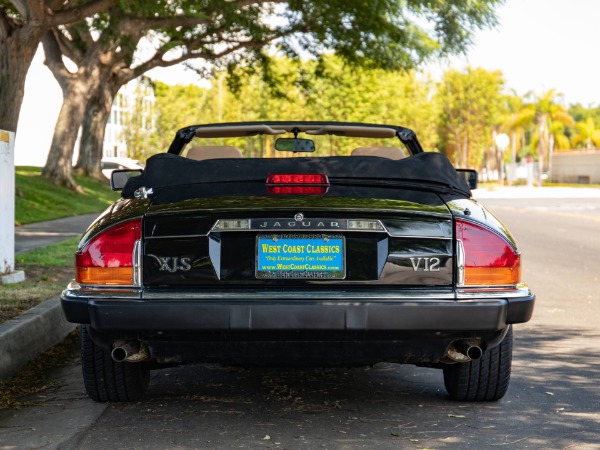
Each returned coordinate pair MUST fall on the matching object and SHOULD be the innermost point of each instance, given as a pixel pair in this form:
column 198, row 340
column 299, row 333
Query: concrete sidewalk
column 28, row 335
column 521, row 192
column 41, row 234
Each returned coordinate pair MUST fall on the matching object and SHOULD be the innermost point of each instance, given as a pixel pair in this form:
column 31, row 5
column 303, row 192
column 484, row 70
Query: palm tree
column 516, row 122
column 588, row 134
column 550, row 119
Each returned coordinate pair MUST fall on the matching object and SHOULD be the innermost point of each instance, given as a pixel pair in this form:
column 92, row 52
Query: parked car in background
column 304, row 258
column 109, row 164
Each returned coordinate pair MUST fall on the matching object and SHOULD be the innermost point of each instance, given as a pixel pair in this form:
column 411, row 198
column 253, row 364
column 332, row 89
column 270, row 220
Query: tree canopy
column 470, row 103
column 341, row 93
column 460, row 115
column 386, row 34
column 22, row 25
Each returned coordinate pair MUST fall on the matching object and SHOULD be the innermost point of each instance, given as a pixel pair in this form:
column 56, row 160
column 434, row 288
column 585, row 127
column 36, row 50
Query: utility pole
column 7, row 210
column 502, row 141
column 550, row 156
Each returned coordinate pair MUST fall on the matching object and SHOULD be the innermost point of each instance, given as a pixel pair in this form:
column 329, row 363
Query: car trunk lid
column 240, row 235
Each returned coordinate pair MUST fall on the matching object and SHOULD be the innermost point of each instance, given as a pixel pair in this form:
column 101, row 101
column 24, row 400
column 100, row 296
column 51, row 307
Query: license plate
column 300, row 256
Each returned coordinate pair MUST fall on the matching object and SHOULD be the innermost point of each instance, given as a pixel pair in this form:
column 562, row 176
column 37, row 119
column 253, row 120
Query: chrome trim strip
column 384, row 229
column 344, row 227
column 404, row 236
column 137, row 263
column 521, row 290
column 102, row 292
column 460, row 263
column 304, row 295
column 436, row 238
column 180, row 236
column 462, row 296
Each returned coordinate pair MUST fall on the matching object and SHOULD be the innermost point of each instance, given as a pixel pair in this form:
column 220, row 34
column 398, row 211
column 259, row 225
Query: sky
column 538, row 45
column 544, row 44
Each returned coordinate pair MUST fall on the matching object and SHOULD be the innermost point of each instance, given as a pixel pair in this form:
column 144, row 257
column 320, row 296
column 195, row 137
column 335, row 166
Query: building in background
column 134, row 103
column 576, row 166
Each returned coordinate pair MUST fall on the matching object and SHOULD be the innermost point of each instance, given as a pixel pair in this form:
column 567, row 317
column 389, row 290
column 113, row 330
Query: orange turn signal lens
column 499, row 276
column 116, row 276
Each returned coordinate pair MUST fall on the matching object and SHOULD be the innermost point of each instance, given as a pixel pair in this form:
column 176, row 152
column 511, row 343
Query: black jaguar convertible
column 300, row 258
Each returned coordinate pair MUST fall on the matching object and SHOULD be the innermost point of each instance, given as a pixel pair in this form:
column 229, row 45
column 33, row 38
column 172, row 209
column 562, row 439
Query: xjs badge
column 172, row 263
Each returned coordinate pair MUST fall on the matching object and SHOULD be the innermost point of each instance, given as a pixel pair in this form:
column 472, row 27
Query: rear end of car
column 295, row 268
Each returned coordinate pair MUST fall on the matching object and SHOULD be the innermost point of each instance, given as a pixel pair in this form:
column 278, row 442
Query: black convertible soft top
column 431, row 171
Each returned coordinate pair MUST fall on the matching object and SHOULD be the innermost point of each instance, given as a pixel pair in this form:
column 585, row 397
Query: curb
column 30, row 334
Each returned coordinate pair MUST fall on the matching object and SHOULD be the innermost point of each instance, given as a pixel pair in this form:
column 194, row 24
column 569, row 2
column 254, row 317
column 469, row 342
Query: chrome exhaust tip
column 465, row 350
column 129, row 351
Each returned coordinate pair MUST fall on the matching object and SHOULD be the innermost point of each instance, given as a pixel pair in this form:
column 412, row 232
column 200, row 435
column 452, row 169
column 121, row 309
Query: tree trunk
column 513, row 158
column 93, row 130
column 17, row 50
column 542, row 148
column 465, row 152
column 59, row 165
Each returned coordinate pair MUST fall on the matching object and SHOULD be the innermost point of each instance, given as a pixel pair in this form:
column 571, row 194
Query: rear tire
column 108, row 381
column 485, row 379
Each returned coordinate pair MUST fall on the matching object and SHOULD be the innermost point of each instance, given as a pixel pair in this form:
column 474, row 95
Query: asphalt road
column 553, row 401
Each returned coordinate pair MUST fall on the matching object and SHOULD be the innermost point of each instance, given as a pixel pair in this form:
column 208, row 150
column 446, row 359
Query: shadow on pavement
column 552, row 403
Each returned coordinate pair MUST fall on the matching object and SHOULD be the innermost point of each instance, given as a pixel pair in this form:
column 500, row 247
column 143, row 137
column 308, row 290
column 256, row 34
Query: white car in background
column 109, row 164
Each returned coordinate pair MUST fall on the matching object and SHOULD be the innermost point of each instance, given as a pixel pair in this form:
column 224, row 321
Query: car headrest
column 382, row 152
column 213, row 152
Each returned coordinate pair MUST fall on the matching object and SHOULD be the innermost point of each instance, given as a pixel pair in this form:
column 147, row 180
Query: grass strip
column 47, row 272
column 60, row 254
column 38, row 199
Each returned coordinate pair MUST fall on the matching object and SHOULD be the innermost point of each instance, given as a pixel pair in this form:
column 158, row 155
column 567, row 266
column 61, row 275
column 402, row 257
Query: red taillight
column 488, row 259
column 297, row 190
column 108, row 257
column 298, row 178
